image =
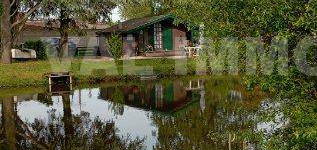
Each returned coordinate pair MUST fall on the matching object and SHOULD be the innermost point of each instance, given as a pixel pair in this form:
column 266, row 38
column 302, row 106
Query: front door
column 168, row 39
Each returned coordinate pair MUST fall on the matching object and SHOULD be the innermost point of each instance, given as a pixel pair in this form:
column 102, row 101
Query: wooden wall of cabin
column 180, row 39
column 180, row 34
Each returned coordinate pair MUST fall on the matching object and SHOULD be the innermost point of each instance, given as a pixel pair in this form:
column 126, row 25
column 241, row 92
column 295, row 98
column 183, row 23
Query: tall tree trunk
column 6, row 35
column 63, row 47
column 64, row 27
column 9, row 116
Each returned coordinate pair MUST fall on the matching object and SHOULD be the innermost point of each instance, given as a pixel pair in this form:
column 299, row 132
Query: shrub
column 39, row 46
column 311, row 55
column 0, row 8
column 115, row 46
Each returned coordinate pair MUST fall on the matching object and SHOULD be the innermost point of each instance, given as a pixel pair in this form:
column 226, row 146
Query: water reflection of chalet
column 165, row 97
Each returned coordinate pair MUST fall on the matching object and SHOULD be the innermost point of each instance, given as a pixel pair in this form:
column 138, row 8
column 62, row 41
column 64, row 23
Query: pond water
column 189, row 113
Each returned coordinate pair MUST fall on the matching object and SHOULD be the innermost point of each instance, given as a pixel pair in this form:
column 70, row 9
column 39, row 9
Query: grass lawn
column 30, row 74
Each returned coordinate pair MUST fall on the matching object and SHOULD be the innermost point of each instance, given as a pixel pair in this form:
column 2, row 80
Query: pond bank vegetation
column 33, row 74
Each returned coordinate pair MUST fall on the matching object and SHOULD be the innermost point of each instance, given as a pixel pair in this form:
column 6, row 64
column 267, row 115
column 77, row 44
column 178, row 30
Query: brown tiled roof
column 135, row 23
column 40, row 24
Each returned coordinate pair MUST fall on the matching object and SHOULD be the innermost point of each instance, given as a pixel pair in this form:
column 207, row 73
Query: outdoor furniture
column 143, row 48
column 23, row 54
column 192, row 51
column 149, row 48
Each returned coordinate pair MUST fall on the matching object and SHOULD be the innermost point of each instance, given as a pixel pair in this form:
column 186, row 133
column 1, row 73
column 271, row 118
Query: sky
column 116, row 15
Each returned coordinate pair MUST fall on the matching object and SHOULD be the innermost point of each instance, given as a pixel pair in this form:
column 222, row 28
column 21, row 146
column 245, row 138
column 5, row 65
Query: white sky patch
column 115, row 15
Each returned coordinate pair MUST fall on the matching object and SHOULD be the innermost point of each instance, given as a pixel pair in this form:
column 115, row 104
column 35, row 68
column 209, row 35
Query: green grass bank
column 33, row 74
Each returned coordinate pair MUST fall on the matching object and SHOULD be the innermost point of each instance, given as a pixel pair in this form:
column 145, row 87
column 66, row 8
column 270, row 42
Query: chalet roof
column 135, row 24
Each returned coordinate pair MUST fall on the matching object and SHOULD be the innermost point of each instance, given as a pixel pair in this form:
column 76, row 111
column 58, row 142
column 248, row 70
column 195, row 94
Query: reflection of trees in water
column 8, row 123
column 211, row 121
column 115, row 97
column 83, row 132
column 223, row 124
column 200, row 130
column 62, row 132
column 118, row 101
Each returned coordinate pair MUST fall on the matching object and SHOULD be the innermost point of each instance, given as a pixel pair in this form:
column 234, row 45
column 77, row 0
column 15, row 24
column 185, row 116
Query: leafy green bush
column 1, row 8
column 39, row 46
column 115, row 46
column 312, row 55
column 296, row 92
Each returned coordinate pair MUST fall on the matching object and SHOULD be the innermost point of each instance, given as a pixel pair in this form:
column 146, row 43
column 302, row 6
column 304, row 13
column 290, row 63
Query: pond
column 186, row 113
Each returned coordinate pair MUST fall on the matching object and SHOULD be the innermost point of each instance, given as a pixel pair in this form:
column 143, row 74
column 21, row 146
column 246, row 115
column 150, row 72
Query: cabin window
column 130, row 37
column 158, row 44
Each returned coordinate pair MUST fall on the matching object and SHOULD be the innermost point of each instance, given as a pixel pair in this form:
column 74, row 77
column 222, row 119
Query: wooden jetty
column 60, row 83
column 60, row 78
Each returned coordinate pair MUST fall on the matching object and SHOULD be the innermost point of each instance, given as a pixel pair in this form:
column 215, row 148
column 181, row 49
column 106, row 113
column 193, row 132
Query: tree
column 135, row 9
column 115, row 45
column 0, row 25
column 73, row 15
column 9, row 116
column 250, row 18
column 0, row 9
column 130, row 9
column 69, row 14
column 13, row 21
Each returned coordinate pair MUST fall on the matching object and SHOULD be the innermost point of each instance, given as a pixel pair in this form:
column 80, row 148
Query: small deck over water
column 60, row 83
column 60, row 78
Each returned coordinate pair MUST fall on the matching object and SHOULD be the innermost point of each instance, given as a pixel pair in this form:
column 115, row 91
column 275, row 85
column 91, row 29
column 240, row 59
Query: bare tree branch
column 39, row 145
column 27, row 15
column 13, row 14
column 12, row 3
column 17, row 32
column 28, row 135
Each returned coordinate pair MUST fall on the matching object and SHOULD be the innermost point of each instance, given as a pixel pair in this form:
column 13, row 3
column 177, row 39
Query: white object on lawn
column 23, row 54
